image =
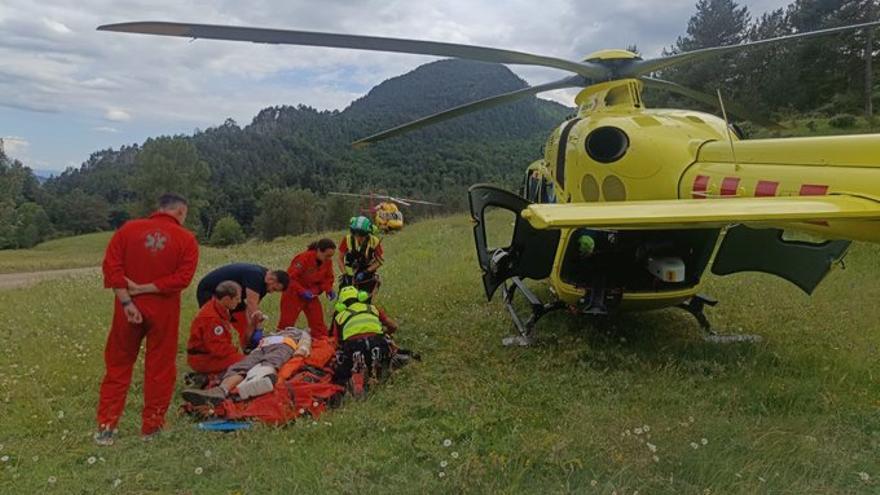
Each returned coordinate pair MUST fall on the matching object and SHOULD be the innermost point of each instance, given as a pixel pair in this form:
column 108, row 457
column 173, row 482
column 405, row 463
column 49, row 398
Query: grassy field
column 641, row 405
column 69, row 252
column 808, row 127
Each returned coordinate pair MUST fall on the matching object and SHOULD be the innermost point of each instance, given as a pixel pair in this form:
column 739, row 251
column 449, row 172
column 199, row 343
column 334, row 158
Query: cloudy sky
column 67, row 90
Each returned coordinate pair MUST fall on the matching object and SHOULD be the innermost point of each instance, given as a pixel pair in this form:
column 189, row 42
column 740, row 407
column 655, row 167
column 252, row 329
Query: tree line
column 823, row 77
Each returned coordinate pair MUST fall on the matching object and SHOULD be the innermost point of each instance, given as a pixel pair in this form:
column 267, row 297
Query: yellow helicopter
column 385, row 213
column 630, row 206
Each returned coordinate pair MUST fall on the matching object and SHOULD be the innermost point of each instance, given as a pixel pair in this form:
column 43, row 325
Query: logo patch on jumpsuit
column 218, row 330
column 155, row 242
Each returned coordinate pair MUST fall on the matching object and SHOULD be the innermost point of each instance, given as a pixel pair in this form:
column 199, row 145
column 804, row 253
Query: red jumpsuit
column 160, row 251
column 306, row 274
column 210, row 348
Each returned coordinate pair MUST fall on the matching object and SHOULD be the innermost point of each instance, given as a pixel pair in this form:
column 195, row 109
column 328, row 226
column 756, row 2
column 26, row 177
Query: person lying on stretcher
column 257, row 373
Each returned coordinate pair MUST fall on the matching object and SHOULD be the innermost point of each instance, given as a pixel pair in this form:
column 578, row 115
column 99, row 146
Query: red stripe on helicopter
column 815, row 190
column 766, row 188
column 701, row 184
column 729, row 186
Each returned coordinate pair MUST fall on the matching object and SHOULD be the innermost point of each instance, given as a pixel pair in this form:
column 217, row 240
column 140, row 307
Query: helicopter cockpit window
column 532, row 186
column 606, row 144
column 548, row 193
column 499, row 224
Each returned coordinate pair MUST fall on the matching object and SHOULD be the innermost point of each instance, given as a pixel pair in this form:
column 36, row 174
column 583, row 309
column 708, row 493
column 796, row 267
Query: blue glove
column 256, row 337
column 331, row 294
column 360, row 276
column 307, row 295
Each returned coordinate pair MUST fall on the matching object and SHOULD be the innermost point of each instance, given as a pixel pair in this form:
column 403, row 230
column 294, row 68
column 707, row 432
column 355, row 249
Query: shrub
column 842, row 121
column 287, row 212
column 226, row 232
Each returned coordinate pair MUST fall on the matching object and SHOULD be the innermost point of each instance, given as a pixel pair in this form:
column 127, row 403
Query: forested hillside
column 270, row 177
column 281, row 163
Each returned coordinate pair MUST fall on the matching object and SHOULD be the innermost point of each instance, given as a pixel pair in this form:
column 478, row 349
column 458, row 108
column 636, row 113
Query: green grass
column 811, row 127
column 579, row 413
column 69, row 252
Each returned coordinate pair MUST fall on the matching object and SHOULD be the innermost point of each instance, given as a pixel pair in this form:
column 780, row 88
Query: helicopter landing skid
column 696, row 307
column 525, row 328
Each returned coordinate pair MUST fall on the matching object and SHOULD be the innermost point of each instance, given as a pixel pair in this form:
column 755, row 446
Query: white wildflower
column 35, row 458
column 60, row 414
column 646, row 428
column 199, row 470
column 447, row 443
column 694, row 445
column 5, row 458
column 704, row 441
column 117, row 482
column 52, row 480
column 454, row 455
column 207, row 453
column 92, row 460
column 441, row 474
column 652, row 447
column 864, row 477
column 761, row 479
column 690, row 419
column 637, row 431
column 594, row 483
column 656, row 458
column 443, row 464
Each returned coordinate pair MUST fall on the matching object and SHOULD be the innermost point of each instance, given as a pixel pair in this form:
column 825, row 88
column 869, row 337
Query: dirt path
column 24, row 279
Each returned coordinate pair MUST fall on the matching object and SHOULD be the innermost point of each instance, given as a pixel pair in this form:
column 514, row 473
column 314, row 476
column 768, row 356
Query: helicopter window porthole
column 606, row 144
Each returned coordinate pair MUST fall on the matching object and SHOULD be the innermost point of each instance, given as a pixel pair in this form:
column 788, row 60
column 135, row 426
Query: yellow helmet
column 350, row 294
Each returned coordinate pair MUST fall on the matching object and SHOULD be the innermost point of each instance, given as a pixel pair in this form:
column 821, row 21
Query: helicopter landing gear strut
column 525, row 328
column 696, row 307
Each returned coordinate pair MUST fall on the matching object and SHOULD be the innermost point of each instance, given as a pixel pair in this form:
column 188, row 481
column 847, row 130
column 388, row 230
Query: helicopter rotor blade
column 638, row 68
column 732, row 108
column 489, row 102
column 400, row 201
column 416, row 201
column 357, row 42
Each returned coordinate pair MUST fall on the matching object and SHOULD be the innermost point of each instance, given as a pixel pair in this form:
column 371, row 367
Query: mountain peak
column 435, row 86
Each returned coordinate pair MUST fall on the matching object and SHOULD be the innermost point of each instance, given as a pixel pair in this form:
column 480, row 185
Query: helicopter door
column 804, row 264
column 531, row 252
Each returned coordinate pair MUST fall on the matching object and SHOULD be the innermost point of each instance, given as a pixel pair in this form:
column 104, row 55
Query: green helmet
column 586, row 244
column 360, row 224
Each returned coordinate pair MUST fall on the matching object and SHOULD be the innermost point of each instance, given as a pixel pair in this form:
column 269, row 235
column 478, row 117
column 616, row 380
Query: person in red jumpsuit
column 311, row 274
column 210, row 349
column 148, row 263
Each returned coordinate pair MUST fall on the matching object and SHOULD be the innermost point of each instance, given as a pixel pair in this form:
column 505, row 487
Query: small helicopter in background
column 630, row 207
column 383, row 209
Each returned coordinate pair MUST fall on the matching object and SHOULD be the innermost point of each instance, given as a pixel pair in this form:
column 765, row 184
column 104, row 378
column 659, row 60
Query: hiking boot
column 105, row 437
column 197, row 397
column 195, row 380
